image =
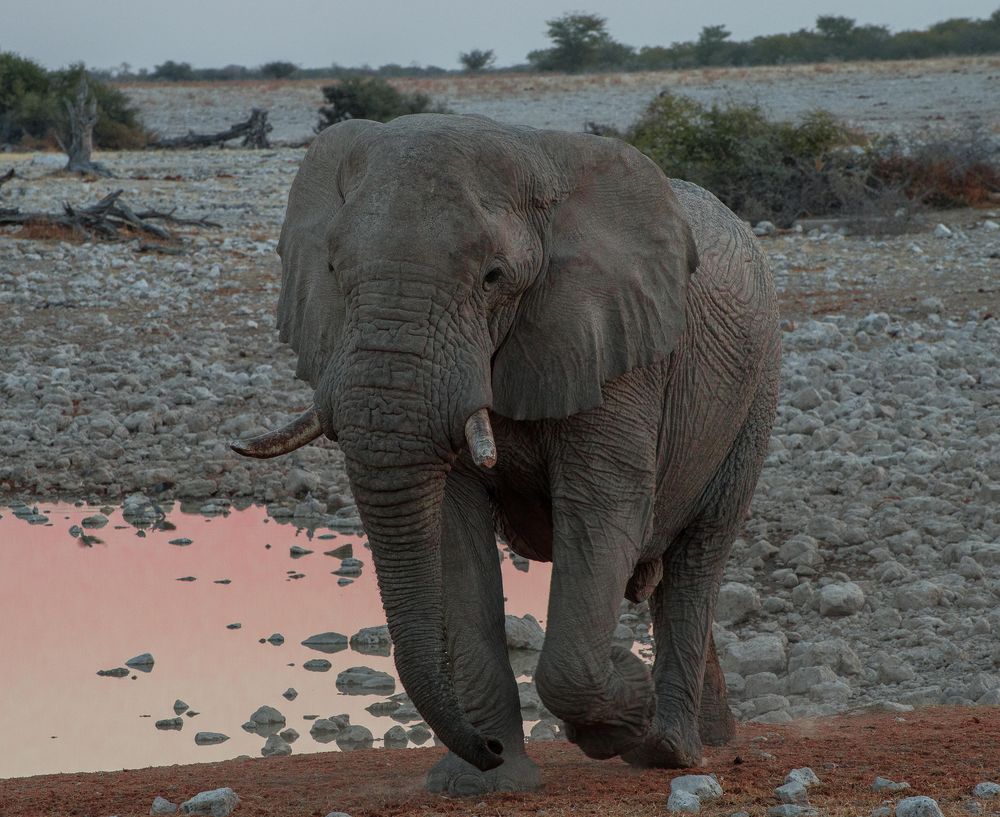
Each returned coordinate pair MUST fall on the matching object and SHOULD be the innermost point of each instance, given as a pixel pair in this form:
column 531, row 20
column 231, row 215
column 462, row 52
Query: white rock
column 841, row 599
column 940, row 231
column 762, row 653
column 162, row 806
column 884, row 784
column 214, row 803
column 702, row 786
column 793, row 792
column 804, row 775
column 986, row 790
column 683, row 802
column 736, row 603
column 918, row 807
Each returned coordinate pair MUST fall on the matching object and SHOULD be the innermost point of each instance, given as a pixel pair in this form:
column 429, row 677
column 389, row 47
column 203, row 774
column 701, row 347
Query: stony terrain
column 869, row 573
column 906, row 97
column 873, row 765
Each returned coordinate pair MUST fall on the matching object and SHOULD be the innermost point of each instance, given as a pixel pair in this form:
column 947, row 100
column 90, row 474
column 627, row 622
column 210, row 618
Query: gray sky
column 314, row 33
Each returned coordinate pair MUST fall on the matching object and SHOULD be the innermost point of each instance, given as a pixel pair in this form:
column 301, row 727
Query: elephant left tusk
column 479, row 435
column 303, row 429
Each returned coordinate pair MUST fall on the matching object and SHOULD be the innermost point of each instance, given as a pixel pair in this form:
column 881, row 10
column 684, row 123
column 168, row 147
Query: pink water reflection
column 68, row 611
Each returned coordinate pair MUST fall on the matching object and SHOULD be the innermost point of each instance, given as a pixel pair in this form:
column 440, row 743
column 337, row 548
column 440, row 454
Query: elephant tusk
column 303, row 429
column 479, row 435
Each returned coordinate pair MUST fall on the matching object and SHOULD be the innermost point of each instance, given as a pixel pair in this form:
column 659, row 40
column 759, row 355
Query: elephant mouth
column 307, row 427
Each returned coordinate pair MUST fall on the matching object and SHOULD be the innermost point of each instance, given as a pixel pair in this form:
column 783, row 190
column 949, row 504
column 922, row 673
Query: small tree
column 834, row 27
column 477, row 59
column 278, row 69
column 711, row 42
column 581, row 42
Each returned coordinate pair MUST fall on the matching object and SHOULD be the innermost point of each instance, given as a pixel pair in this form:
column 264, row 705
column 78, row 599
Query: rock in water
column 210, row 738
column 364, row 681
column 326, row 642
column 143, row 663
column 276, row 746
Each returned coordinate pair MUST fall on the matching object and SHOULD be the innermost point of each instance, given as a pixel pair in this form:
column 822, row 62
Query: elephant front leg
column 604, row 693
column 474, row 617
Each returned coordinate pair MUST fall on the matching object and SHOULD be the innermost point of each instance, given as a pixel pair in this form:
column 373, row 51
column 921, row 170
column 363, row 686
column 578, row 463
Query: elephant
column 534, row 335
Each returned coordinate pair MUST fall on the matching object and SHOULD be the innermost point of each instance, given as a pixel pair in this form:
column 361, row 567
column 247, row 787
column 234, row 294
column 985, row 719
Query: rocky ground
column 905, row 97
column 946, row 755
column 868, row 575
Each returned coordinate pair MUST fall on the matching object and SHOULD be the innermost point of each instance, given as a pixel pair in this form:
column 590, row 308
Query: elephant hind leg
column 716, row 724
column 691, row 703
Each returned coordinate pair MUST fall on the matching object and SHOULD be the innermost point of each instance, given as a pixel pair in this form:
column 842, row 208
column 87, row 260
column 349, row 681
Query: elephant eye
column 493, row 276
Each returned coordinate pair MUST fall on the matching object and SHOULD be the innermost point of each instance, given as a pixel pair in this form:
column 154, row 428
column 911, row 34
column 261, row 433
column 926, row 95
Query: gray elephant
column 535, row 334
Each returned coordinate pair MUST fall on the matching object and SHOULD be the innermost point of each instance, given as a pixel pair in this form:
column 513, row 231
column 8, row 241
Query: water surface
column 69, row 609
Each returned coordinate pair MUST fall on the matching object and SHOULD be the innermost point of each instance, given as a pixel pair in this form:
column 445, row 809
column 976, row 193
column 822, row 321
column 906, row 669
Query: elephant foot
column 608, row 738
column 452, row 775
column 666, row 747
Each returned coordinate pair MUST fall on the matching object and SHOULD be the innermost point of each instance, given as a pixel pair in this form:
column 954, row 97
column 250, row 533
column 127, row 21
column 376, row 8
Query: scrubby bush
column 962, row 170
column 369, row 98
column 780, row 171
column 32, row 108
column 761, row 169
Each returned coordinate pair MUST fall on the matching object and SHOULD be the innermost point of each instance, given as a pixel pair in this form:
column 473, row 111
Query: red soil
column 941, row 752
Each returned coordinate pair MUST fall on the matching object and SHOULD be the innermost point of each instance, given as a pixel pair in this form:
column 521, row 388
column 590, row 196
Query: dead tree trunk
column 82, row 118
column 257, row 130
column 254, row 132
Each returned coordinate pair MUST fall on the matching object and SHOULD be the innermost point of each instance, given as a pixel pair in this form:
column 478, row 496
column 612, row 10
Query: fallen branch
column 110, row 219
column 254, row 132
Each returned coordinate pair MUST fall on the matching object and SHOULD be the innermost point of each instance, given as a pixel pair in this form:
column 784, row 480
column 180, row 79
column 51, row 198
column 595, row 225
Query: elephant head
column 438, row 268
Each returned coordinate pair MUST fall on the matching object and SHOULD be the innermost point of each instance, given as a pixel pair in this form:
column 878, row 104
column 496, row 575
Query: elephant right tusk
column 303, row 429
column 479, row 435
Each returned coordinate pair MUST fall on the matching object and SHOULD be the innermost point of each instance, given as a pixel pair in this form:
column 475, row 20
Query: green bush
column 32, row 108
column 370, row 98
column 761, row 169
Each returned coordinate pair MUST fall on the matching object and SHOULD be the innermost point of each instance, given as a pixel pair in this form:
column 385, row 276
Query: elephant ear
column 613, row 292
column 311, row 309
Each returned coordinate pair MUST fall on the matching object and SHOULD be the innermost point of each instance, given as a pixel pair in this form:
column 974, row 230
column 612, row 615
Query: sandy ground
column 941, row 752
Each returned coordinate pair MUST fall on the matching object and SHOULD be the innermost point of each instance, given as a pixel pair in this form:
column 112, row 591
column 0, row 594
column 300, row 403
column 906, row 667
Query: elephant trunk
column 403, row 523
column 399, row 398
